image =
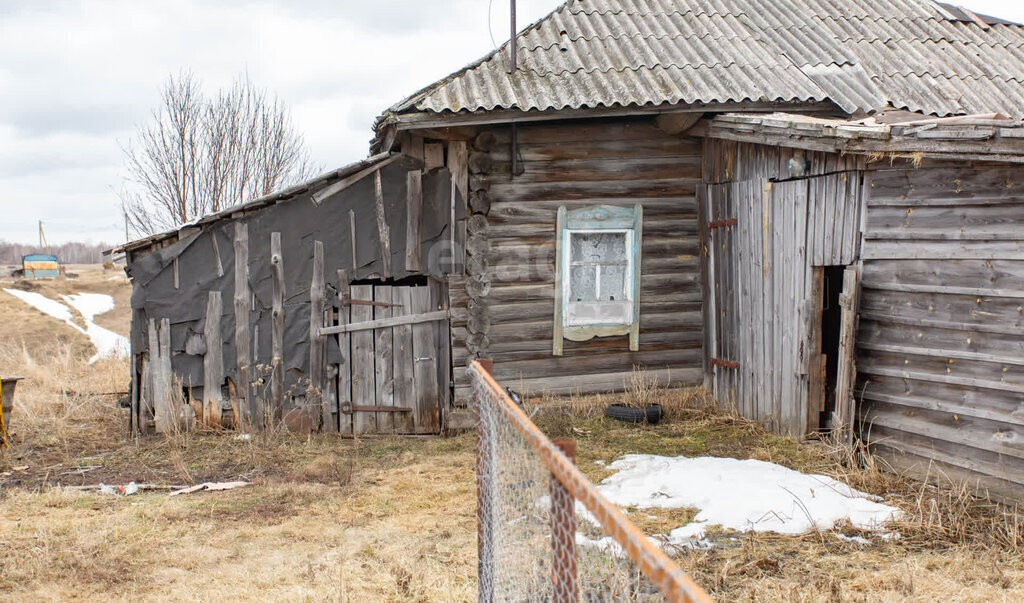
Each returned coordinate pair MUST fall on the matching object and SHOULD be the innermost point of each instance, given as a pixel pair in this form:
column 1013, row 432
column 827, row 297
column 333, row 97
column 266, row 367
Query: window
column 598, row 272
column 597, row 291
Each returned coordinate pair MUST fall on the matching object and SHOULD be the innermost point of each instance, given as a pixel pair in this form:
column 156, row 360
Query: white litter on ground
column 740, row 495
column 107, row 342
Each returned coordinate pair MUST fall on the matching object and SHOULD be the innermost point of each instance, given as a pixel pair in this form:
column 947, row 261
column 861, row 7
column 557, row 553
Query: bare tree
column 200, row 155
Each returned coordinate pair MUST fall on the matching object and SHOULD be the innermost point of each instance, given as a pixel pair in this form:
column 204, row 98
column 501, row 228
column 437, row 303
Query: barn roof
column 861, row 55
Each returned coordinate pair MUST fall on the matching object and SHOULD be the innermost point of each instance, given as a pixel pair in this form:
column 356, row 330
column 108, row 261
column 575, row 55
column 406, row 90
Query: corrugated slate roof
column 860, row 54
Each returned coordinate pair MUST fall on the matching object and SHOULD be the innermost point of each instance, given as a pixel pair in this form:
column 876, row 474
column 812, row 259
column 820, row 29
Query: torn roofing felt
column 204, row 262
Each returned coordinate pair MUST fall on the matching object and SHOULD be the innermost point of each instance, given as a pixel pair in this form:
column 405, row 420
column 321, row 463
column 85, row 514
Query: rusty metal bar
column 564, row 582
column 351, row 408
column 720, row 223
column 652, row 561
column 485, row 499
column 725, row 363
column 348, row 301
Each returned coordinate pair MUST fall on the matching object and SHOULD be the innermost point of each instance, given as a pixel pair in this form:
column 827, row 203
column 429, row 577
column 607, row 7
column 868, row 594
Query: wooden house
column 813, row 207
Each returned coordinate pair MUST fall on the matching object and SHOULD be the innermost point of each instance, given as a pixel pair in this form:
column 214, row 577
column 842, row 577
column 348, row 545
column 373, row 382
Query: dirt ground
column 374, row 519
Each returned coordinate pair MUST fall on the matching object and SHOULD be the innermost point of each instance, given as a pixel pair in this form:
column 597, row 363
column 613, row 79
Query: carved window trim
column 601, row 218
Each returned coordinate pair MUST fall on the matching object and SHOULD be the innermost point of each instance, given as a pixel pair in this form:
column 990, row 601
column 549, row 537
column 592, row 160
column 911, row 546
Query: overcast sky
column 77, row 77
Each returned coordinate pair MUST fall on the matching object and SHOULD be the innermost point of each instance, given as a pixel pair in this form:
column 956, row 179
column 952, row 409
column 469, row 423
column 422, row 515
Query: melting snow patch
column 107, row 342
column 741, row 495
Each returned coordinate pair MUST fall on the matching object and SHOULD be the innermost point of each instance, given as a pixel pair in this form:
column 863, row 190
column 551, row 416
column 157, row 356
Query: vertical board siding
column 761, row 273
column 940, row 353
column 576, row 165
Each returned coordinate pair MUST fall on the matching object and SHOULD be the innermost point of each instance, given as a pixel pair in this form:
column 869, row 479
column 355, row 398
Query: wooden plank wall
column 940, row 352
column 504, row 308
column 764, row 242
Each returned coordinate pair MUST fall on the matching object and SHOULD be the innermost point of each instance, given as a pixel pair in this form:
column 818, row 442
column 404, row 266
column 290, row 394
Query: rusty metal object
column 725, row 363
column 564, row 580
column 720, row 223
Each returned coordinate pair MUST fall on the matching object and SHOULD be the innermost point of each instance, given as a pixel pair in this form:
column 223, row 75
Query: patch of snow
column 45, row 305
column 854, row 539
column 606, row 544
column 889, row 536
column 107, row 342
column 741, row 495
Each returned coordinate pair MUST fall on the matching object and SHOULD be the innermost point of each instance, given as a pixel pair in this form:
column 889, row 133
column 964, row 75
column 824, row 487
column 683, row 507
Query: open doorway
column 831, row 329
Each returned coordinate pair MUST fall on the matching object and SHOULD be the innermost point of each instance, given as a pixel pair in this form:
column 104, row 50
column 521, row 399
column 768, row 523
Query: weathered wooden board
column 364, row 389
column 403, row 360
column 426, row 416
column 940, row 360
column 344, row 346
column 383, row 360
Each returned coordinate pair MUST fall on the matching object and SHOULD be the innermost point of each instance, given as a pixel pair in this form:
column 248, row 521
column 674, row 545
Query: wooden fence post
column 277, row 331
column 242, row 342
column 213, row 361
column 316, row 340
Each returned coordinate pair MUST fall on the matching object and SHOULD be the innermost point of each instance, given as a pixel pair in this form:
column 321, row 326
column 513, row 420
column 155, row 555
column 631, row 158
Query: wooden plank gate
column 766, row 244
column 395, row 370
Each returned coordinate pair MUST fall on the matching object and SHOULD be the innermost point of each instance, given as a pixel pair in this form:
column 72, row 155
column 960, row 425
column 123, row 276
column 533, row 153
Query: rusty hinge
column 720, row 223
column 349, row 408
column 725, row 363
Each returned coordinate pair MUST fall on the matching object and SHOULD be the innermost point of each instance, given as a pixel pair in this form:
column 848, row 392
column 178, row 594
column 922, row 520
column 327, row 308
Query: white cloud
column 76, row 77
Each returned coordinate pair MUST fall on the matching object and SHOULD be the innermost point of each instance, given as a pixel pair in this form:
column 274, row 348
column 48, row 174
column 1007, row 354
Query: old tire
column 650, row 415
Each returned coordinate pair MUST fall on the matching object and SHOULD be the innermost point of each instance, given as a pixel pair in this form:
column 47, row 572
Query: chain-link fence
column 545, row 533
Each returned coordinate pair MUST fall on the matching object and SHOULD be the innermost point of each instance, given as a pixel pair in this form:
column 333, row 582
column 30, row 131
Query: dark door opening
column 831, row 326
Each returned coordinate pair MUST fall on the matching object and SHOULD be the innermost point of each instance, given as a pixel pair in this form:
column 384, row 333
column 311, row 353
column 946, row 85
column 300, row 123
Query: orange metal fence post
column 485, row 493
column 564, row 585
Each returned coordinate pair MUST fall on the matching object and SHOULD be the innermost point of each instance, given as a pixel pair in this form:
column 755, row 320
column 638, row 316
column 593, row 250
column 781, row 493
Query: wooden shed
column 813, row 207
column 40, row 265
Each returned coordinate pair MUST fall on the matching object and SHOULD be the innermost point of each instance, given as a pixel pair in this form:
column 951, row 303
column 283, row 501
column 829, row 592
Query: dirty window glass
column 598, row 266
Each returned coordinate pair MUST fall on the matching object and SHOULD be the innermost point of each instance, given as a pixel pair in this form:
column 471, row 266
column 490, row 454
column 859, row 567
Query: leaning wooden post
column 277, row 331
column 564, row 586
column 485, row 476
column 242, row 342
column 845, row 411
column 316, row 340
column 383, row 229
column 213, row 361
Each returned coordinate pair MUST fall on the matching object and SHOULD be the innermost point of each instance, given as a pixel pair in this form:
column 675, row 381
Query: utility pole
column 43, row 244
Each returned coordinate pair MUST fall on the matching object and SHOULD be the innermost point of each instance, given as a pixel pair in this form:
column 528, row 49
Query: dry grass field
column 327, row 518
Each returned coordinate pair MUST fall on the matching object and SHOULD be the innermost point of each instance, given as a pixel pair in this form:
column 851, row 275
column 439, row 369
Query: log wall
column 940, row 346
column 504, row 308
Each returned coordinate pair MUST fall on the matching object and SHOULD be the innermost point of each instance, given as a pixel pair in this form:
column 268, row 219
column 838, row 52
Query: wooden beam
column 213, row 361
column 242, row 397
column 413, row 225
column 430, row 119
column 277, row 314
column 352, row 239
column 316, row 340
column 383, row 230
column 387, row 322
column 337, row 187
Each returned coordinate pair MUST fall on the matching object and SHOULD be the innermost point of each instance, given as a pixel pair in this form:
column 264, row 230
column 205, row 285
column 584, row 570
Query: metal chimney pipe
column 512, row 38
